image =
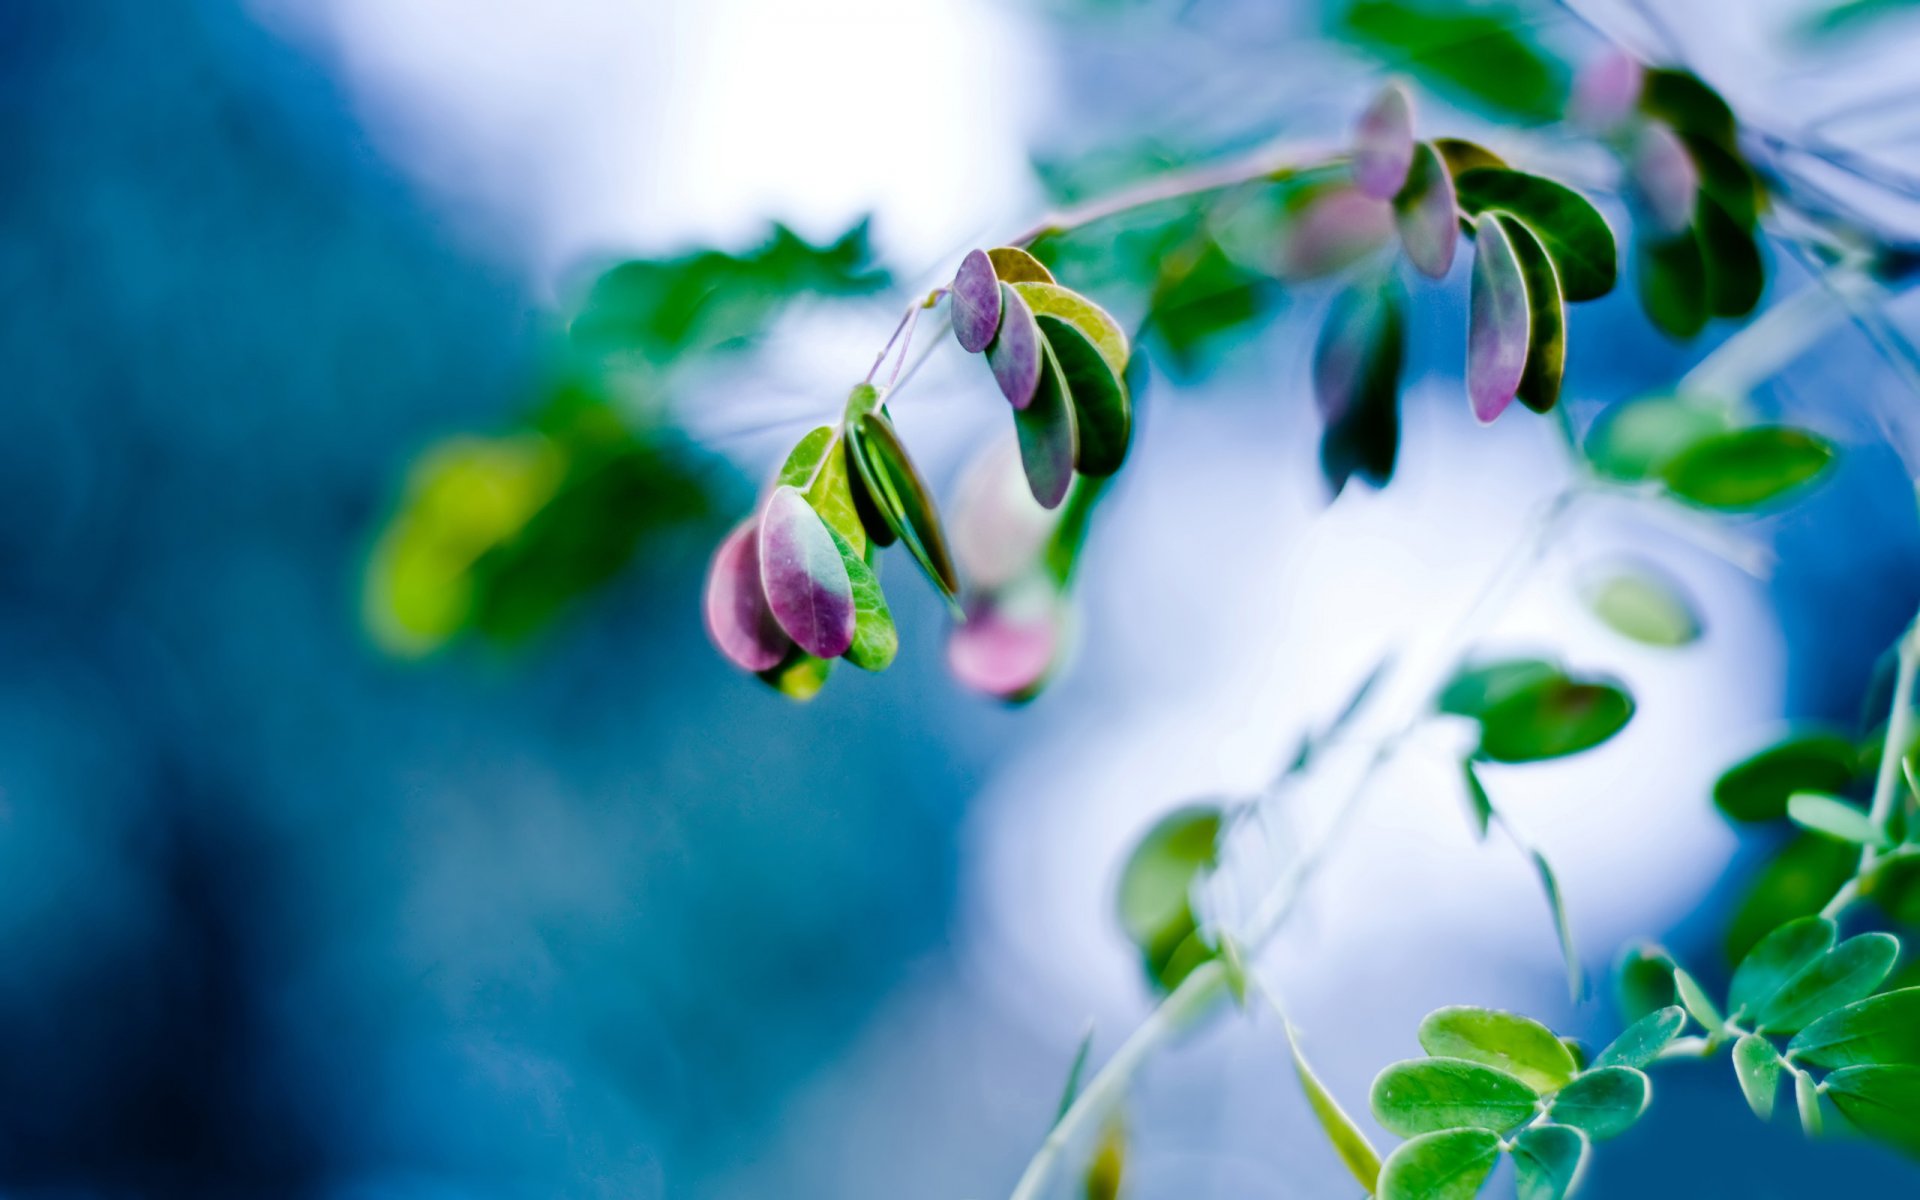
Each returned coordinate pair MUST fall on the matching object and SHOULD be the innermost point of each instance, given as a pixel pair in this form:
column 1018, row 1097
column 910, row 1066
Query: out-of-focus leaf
column 1879, row 1029
column 1424, row 1095
column 738, row 619
column 1199, row 296
column 1853, row 16
column 1644, row 605
column 1757, row 788
column 1348, row 1141
column 1009, row 642
column 905, row 501
column 1448, row 1165
column 1747, row 468
column 1547, row 1161
column 1016, row 355
column 1606, row 89
column 1553, row 718
column 875, row 640
column 1835, row 818
column 1461, row 156
column 1735, row 275
column 1520, row 1046
column 1603, row 1103
column 998, row 531
column 1758, row 1066
column 1797, row 883
column 1881, row 1101
column 1479, row 803
column 1806, row 1097
column 1539, row 386
column 1104, row 1172
column 1643, row 1040
column 1681, row 99
column 1330, row 228
column 1727, row 180
column 1562, row 925
column 1356, row 385
column 1098, row 326
column 1499, row 325
column 799, row 676
column 1672, row 279
column 1071, row 1090
column 1102, row 414
column 1156, row 887
column 1778, row 957
column 805, row 577
column 975, row 302
column 1049, row 436
column 1644, row 980
column 1848, row 972
column 1479, row 686
column 1425, row 213
column 1573, row 232
column 1383, row 143
column 1635, row 439
column 1665, row 176
column 1481, row 55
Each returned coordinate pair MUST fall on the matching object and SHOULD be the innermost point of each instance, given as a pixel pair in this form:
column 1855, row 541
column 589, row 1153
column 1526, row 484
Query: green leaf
column 1479, row 55
column 1645, row 981
column 1108, row 1165
column 1461, row 156
column 1348, row 1141
column 1643, row 1040
column 1571, row 229
column 875, row 640
column 1481, row 804
column 1882, row 1029
column 1156, row 887
column 1094, row 322
column 832, row 497
column 1048, row 434
column 1520, row 1046
column 1448, row 1165
column 1602, row 1103
column 1757, row 788
column 800, row 676
column 1736, row 276
column 1635, row 439
column 1427, row 1094
column 1639, row 603
column 1881, row 1101
column 1562, row 927
column 1476, row 688
column 1539, row 386
column 1698, row 1004
column 1806, row 1097
column 1758, row 1066
column 1014, row 265
column 1797, row 883
column 1424, row 212
column 1778, row 957
column 1684, row 101
column 1835, row 818
column 1102, row 414
column 1748, row 467
column 1547, row 1160
column 1672, row 283
column 1071, row 1091
column 904, row 500
column 1357, row 361
column 803, row 461
column 1848, row 972
column 1553, row 718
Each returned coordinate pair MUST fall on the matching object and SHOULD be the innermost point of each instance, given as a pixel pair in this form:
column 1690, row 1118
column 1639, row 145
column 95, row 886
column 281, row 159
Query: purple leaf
column 1498, row 323
column 998, row 529
column 1049, row 438
column 975, row 298
column 1007, row 645
column 1383, row 144
column 1015, row 353
column 1425, row 213
column 1666, row 176
column 806, row 582
column 1332, row 229
column 738, row 618
column 1605, row 91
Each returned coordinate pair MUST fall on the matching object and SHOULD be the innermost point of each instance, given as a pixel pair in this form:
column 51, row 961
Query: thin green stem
column 1887, row 781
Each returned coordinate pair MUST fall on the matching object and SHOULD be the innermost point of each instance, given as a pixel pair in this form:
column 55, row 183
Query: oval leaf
column 1427, row 1094
column 1460, row 155
column 1758, row 1066
column 1880, row 1029
column 1640, row 603
column 1881, row 1101
column 1448, row 1165
column 1698, row 1004
column 1848, row 972
column 799, row 676
column 1539, row 386
column 1520, row 1046
column 1156, row 885
column 831, row 495
column 1099, row 327
column 1426, row 215
column 1014, row 265
column 1736, row 276
column 1015, row 353
column 1644, row 982
column 903, row 498
column 1547, row 1162
column 1776, row 958
column 803, row 461
column 1572, row 230
column 1049, row 439
column 738, row 619
column 1356, row 385
column 1748, row 467
column 1383, row 143
column 1348, row 1141
column 998, row 532
column 1498, row 322
column 875, row 640
column 1672, row 283
column 1553, row 718
column 1806, row 1097
column 1102, row 413
column 1635, row 440
column 1643, row 1040
column 1835, row 818
column 1757, row 788
column 975, row 300
column 1476, row 688
column 1664, row 173
column 1007, row 646
column 1602, row 1103
column 805, row 578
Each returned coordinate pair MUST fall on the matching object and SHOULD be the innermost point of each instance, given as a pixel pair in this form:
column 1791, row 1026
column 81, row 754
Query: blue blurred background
column 592, row 915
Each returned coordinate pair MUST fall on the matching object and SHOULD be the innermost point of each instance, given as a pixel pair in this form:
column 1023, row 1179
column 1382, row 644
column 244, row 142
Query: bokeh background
column 581, row 912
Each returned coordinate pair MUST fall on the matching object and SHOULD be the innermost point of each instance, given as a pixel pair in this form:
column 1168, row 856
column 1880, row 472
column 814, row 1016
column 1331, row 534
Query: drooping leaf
column 975, row 301
column 1644, row 982
column 1016, row 355
column 804, row 576
column 831, row 495
column 1681, row 99
column 1479, row 686
column 1757, row 788
column 904, row 500
column 1562, row 926
column 1606, row 90
column 1102, row 413
column 1727, row 180
column 1539, row 386
column 1665, row 176
column 1637, row 602
column 1671, row 278
column 1383, row 143
column 1835, row 818
column 1547, row 1161
column 1014, row 265
column 1520, row 1046
column 1448, row 1165
column 1356, row 385
column 998, row 531
column 1498, row 324
column 1098, row 325
column 1603, row 1103
column 1635, row 440
column 799, row 676
column 1747, row 468
column 1049, row 436
column 1108, row 1165
column 1481, row 55
column 803, row 461
column 1881, row 1101
column 1553, row 718
column 1571, row 229
column 1797, row 883
column 1156, row 887
column 1070, row 1091
column 1776, row 958
column 1698, row 1004
column 1460, row 155
column 1806, row 1097
column 1643, row 1040
column 1848, row 972
column 1758, row 1067
column 875, row 640
column 1425, row 213
column 872, row 509
column 1736, row 276
column 1423, row 1095
column 1479, row 804
column 1882, row 1029
column 1329, row 228
column 738, row 619
column 1009, row 643
column 1348, row 1141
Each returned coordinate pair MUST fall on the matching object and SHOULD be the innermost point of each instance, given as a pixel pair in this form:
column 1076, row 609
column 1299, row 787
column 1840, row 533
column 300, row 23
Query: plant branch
column 1886, row 783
